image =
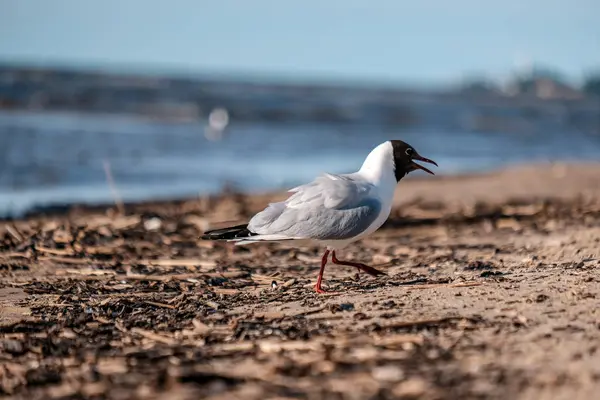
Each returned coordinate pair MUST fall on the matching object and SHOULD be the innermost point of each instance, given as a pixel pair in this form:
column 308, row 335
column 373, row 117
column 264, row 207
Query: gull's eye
column 409, row 151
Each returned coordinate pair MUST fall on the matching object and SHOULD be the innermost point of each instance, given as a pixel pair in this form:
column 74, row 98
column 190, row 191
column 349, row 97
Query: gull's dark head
column 404, row 159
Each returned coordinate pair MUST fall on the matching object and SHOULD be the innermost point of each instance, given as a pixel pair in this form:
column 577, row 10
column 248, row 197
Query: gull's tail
column 233, row 232
column 241, row 235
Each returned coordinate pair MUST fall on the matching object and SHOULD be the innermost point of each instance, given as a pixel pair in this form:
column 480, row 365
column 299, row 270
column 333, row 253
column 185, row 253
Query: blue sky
column 384, row 40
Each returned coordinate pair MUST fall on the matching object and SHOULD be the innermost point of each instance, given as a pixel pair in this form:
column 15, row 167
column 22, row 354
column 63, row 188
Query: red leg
column 318, row 288
column 361, row 267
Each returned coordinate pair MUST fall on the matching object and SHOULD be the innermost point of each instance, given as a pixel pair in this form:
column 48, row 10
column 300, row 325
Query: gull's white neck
column 378, row 168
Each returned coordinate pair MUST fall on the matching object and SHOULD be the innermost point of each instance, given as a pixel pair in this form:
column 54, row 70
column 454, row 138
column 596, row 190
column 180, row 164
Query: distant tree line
column 591, row 85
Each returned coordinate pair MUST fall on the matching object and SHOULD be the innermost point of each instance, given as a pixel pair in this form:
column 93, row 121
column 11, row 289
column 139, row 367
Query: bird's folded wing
column 332, row 207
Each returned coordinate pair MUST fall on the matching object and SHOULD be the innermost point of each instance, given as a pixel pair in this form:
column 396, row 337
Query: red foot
column 318, row 287
column 370, row 270
column 325, row 292
column 319, row 290
column 361, row 267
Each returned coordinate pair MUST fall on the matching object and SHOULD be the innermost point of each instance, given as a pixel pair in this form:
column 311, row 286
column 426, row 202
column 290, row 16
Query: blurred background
column 175, row 99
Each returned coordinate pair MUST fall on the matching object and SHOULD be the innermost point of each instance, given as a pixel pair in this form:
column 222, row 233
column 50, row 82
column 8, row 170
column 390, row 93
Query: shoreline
column 523, row 183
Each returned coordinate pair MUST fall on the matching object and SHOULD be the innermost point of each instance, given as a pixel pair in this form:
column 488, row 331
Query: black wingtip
column 233, row 232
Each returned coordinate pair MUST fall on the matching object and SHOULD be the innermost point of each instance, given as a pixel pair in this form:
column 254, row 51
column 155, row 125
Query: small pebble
column 541, row 298
column 411, row 388
column 12, row 346
column 387, row 373
column 216, row 281
column 152, row 224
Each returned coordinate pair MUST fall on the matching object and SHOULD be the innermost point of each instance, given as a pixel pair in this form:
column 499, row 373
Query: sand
column 492, row 291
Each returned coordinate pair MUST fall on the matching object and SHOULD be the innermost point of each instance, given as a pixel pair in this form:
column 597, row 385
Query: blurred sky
column 422, row 41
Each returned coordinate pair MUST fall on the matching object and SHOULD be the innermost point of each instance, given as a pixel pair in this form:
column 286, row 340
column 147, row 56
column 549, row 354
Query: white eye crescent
column 409, row 151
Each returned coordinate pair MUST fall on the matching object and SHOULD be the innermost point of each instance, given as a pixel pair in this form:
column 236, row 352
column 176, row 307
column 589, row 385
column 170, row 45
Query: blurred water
column 57, row 158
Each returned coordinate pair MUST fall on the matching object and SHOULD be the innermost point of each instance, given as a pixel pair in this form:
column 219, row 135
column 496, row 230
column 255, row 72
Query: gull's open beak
column 416, row 166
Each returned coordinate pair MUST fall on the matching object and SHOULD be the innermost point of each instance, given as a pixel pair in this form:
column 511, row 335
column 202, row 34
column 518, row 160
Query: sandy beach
column 492, row 292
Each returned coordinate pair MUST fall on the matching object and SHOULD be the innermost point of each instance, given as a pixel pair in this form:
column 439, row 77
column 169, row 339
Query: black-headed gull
column 333, row 210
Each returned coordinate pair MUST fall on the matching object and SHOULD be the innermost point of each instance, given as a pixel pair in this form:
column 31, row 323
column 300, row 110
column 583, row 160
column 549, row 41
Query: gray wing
column 332, row 207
